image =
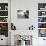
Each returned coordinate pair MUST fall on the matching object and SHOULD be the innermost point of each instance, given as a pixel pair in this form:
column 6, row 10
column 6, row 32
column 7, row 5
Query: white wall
column 3, row 1
column 23, row 24
column 32, row 6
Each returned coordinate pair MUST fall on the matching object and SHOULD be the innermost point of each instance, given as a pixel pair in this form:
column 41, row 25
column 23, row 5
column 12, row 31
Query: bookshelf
column 4, row 19
column 42, row 19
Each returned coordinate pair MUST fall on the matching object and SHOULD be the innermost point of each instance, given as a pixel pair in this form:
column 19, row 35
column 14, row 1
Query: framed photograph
column 3, row 13
column 3, row 6
column 4, row 29
column 23, row 14
column 41, row 19
column 41, row 25
column 42, row 33
column 3, row 19
column 41, row 6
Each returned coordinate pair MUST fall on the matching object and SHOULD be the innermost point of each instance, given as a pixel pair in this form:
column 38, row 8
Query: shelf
column 3, row 22
column 41, row 19
column 42, row 16
column 41, row 28
column 4, row 19
column 3, row 16
column 41, row 22
column 3, row 10
column 41, row 10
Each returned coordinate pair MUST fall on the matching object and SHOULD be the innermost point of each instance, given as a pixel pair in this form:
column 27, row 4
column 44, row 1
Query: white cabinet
column 4, row 21
column 3, row 40
column 41, row 41
column 42, row 19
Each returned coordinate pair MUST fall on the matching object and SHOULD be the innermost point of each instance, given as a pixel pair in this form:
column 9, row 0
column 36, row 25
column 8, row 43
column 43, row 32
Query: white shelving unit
column 42, row 10
column 42, row 18
column 4, row 16
column 4, row 12
column 4, row 22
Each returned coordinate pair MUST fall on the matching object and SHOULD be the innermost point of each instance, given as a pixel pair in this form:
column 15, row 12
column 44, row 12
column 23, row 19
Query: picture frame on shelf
column 3, row 6
column 42, row 32
column 3, row 19
column 41, row 6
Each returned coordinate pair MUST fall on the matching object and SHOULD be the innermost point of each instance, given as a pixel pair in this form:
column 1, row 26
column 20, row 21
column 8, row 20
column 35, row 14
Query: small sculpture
column 13, row 27
column 31, row 27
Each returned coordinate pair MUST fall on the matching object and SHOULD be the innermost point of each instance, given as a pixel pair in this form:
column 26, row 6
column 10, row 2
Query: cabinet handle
column 43, row 39
column 1, row 39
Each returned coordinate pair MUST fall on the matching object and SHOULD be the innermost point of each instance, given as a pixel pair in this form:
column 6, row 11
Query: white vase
column 22, row 43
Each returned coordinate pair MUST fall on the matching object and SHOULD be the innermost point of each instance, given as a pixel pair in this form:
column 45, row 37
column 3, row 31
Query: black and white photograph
column 3, row 13
column 42, row 33
column 41, row 19
column 3, row 19
column 23, row 14
column 41, row 6
column 3, row 6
